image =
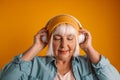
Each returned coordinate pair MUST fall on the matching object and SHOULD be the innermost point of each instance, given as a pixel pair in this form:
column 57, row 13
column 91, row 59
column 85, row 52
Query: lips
column 63, row 51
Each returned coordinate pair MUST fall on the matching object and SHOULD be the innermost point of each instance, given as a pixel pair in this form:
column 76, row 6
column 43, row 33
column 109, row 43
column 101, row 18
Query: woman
column 64, row 35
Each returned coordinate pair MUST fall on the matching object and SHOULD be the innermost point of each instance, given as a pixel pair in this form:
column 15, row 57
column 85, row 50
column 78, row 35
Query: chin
column 64, row 57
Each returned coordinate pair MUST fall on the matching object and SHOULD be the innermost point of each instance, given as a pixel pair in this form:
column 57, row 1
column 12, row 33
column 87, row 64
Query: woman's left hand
column 87, row 43
column 87, row 47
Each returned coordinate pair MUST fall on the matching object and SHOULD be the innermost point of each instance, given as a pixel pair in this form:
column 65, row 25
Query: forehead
column 65, row 35
column 65, row 29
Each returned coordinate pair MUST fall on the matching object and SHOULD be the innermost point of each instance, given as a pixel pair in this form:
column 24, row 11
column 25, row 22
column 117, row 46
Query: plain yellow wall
column 20, row 20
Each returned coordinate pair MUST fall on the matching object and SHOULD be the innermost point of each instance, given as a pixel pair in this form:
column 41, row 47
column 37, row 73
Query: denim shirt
column 44, row 68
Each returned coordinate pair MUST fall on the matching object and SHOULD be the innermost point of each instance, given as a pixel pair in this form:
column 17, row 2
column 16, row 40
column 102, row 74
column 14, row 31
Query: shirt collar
column 50, row 59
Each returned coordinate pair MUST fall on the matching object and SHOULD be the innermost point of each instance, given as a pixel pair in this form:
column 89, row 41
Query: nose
column 63, row 43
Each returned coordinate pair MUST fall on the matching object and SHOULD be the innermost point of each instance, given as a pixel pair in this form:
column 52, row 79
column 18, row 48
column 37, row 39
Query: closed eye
column 71, row 38
column 57, row 37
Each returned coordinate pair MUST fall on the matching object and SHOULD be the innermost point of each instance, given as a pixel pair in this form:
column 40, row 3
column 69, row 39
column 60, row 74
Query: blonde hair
column 63, row 29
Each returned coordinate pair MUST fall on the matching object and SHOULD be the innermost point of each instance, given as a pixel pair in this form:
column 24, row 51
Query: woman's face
column 64, row 46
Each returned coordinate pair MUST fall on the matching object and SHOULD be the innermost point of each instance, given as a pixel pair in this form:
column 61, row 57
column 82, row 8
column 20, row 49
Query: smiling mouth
column 63, row 51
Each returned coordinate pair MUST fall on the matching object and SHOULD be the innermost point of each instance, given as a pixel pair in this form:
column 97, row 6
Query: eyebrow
column 57, row 35
column 69, row 35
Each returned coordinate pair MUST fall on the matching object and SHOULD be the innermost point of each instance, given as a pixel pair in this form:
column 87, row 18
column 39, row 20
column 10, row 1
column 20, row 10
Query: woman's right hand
column 36, row 47
column 38, row 43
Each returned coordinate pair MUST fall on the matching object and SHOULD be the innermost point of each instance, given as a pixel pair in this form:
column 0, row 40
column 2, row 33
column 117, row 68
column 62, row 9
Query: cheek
column 55, row 46
column 72, row 46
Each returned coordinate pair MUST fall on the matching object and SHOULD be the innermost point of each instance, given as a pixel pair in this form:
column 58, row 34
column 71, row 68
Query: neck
column 65, row 61
column 63, row 66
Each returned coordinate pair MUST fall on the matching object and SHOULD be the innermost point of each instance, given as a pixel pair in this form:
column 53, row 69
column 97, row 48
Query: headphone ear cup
column 44, row 39
column 81, row 38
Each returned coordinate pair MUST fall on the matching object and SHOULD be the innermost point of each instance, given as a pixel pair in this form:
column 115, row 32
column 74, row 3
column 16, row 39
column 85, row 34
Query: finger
column 40, row 35
column 84, row 31
column 81, row 27
column 42, row 30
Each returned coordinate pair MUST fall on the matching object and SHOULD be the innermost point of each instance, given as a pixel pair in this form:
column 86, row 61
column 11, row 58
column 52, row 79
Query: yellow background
column 20, row 20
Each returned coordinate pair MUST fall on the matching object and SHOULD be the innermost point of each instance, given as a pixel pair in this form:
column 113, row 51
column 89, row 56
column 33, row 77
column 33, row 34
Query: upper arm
column 16, row 70
column 105, row 71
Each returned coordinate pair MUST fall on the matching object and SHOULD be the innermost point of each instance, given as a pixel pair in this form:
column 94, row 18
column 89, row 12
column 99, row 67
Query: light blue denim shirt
column 44, row 68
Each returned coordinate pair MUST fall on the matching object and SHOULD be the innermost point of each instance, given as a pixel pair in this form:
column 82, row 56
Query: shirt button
column 98, row 73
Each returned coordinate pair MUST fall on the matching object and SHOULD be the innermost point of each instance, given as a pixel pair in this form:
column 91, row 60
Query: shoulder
column 43, row 59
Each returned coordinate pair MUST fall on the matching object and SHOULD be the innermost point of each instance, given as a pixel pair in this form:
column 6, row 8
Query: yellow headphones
column 59, row 19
